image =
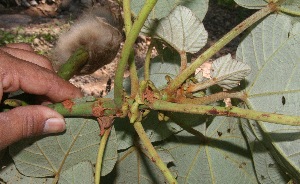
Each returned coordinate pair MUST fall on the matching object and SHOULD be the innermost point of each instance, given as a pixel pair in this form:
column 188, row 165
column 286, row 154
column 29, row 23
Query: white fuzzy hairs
column 96, row 32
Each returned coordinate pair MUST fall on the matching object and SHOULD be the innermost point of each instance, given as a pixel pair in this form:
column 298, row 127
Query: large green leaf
column 79, row 173
column 163, row 8
column 287, row 6
column 54, row 154
column 223, row 159
column 10, row 175
column 135, row 167
column 181, row 29
column 252, row 4
column 272, row 50
column 266, row 167
column 291, row 7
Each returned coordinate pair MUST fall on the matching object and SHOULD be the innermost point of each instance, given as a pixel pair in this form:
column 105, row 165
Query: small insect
column 219, row 133
column 108, row 85
column 283, row 100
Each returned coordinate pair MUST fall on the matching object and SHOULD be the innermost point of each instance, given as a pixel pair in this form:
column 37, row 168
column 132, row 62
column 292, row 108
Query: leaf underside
column 272, row 50
column 163, row 8
column 55, row 154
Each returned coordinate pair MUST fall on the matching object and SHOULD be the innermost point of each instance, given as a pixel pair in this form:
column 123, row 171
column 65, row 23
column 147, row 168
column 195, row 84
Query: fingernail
column 54, row 125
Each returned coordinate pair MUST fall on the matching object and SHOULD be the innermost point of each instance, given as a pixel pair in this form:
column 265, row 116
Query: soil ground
column 43, row 25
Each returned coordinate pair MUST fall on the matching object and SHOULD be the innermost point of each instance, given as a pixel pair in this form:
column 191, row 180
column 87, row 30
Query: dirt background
column 46, row 24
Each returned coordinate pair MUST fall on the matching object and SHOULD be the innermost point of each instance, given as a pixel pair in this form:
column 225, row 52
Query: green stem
column 147, row 63
column 175, row 84
column 227, row 111
column 102, row 146
column 132, row 67
column 212, row 98
column 134, row 80
column 183, row 59
column 74, row 64
column 154, row 155
column 201, row 85
column 85, row 108
column 134, row 32
column 127, row 16
column 285, row 10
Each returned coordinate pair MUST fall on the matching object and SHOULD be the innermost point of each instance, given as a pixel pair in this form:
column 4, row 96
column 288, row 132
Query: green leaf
column 287, row 6
column 54, row 154
column 229, row 72
column 159, row 69
column 10, row 175
column 163, row 8
column 291, row 7
column 223, row 159
column 272, row 50
column 135, row 167
column 181, row 29
column 266, row 167
column 79, row 173
column 252, row 4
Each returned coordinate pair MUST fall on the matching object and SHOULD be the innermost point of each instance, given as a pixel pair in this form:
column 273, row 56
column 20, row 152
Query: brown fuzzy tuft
column 94, row 33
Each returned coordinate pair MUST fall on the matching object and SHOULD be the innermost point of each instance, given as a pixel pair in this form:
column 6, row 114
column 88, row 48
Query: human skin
column 21, row 68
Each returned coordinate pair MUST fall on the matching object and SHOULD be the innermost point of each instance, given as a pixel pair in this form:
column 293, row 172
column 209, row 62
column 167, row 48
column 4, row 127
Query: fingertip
column 28, row 121
column 54, row 125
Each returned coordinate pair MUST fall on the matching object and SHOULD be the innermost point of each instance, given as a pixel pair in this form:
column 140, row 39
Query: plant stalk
column 227, row 111
column 211, row 98
column 101, row 150
column 183, row 59
column 134, row 32
column 85, row 108
column 147, row 63
column 74, row 64
column 154, row 155
column 132, row 67
column 175, row 84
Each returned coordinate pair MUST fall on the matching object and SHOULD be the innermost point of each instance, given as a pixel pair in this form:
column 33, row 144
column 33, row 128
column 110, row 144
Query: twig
column 137, row 26
column 101, row 150
column 154, row 155
column 227, row 111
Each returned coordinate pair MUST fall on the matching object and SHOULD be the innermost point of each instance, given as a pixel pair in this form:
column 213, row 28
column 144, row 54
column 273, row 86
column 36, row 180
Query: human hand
column 21, row 68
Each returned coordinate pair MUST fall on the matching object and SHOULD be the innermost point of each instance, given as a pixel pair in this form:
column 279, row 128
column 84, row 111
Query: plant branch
column 183, row 59
column 154, row 155
column 127, row 16
column 212, row 98
column 101, row 150
column 201, row 85
column 227, row 111
column 132, row 67
column 285, row 10
column 147, row 63
column 137, row 26
column 175, row 84
column 74, row 64
column 85, row 108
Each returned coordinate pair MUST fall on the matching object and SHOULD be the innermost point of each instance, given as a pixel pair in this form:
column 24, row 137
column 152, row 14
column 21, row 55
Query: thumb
column 28, row 121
